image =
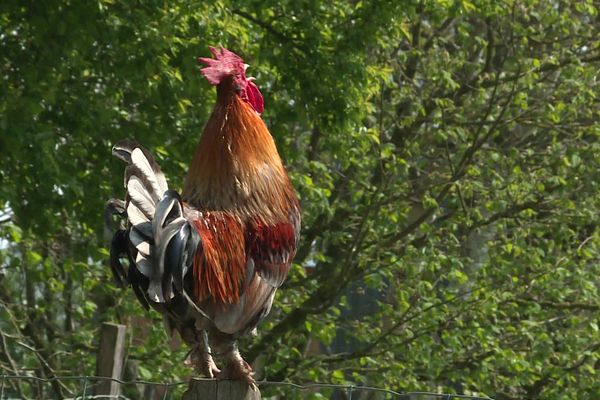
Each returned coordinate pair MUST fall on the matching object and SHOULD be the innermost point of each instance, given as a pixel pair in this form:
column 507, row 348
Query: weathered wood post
column 110, row 358
column 220, row 390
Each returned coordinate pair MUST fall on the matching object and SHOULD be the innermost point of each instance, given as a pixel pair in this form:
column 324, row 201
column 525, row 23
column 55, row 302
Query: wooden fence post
column 220, row 390
column 110, row 358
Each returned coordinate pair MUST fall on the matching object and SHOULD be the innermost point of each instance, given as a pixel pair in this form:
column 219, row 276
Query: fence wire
column 174, row 390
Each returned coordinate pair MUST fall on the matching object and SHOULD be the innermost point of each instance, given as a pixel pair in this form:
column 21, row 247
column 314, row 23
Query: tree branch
column 269, row 28
column 575, row 306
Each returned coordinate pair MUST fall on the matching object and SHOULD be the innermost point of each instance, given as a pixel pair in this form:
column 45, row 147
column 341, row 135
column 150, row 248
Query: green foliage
column 445, row 152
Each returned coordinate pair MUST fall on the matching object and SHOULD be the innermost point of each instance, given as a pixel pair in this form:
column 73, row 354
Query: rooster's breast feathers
column 231, row 251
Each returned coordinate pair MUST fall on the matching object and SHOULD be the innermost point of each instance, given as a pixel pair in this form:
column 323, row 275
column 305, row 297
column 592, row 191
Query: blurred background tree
column 446, row 153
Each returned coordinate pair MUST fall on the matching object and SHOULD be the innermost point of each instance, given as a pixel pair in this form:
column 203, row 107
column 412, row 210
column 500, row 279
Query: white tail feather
column 156, row 178
column 140, row 242
column 144, row 265
column 140, row 196
column 135, row 215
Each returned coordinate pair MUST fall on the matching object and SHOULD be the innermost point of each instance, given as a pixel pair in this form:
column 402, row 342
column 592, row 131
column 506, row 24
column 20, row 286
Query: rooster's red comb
column 224, row 64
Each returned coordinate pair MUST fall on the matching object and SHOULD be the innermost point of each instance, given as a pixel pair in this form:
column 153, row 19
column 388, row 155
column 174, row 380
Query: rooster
column 211, row 259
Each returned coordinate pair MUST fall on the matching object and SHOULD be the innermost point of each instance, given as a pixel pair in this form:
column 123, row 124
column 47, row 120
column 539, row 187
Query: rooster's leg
column 237, row 368
column 206, row 365
column 201, row 358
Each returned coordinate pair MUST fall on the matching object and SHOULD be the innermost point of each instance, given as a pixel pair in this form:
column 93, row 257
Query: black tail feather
column 139, row 284
column 118, row 249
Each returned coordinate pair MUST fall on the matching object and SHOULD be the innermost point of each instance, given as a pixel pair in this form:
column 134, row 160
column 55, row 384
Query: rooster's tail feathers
column 163, row 240
column 142, row 166
column 145, row 185
column 174, row 247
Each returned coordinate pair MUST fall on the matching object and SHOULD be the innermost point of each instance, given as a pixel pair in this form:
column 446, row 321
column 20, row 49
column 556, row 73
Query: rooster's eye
column 238, row 88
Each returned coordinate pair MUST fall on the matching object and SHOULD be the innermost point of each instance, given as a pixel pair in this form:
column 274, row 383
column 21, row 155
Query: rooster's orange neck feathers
column 236, row 166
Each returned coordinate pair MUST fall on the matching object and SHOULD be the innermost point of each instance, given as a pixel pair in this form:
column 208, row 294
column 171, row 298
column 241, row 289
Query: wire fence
column 83, row 388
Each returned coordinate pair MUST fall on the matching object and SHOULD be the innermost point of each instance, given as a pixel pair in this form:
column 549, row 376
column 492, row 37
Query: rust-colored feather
column 219, row 263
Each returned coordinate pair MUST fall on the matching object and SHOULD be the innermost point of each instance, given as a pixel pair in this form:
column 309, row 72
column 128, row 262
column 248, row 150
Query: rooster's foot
column 238, row 369
column 203, row 362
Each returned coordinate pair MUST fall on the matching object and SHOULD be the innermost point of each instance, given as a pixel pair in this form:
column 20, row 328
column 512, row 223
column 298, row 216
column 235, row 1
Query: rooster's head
column 228, row 71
